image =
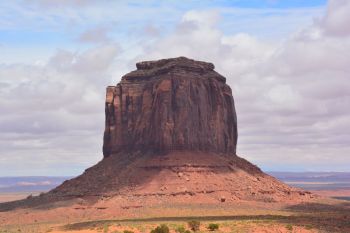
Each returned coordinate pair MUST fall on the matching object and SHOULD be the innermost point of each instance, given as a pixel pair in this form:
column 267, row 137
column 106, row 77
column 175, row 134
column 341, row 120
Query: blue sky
column 286, row 62
column 41, row 25
column 274, row 3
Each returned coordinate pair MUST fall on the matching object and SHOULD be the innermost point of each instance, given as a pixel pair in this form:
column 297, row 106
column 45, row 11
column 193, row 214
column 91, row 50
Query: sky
column 286, row 61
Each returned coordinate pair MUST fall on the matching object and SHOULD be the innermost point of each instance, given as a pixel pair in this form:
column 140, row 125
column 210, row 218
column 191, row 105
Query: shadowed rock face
column 170, row 104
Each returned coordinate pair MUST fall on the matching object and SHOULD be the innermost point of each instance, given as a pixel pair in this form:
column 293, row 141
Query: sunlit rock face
column 170, row 104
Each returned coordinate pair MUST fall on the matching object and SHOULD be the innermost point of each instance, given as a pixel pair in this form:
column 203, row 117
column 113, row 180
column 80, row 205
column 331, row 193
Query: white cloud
column 291, row 93
column 337, row 19
column 291, row 96
column 95, row 35
column 54, row 113
column 92, row 60
column 202, row 18
column 281, row 97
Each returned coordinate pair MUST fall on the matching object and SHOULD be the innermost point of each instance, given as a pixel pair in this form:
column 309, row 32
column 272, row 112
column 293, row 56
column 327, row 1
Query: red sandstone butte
column 170, row 137
column 171, row 104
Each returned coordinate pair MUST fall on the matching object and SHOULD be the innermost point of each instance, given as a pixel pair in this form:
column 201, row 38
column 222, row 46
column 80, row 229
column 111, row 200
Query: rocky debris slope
column 179, row 175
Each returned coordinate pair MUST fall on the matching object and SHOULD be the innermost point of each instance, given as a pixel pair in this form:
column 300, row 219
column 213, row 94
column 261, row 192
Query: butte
column 170, row 137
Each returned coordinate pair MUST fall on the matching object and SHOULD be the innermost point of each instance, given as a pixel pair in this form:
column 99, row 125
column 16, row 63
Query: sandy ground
column 228, row 227
column 106, row 217
column 5, row 197
column 114, row 215
column 142, row 214
column 333, row 193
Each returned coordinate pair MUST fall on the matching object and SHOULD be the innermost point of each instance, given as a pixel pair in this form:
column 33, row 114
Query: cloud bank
column 292, row 89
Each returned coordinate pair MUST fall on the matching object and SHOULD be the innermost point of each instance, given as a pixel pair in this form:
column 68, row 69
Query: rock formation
column 171, row 104
column 170, row 136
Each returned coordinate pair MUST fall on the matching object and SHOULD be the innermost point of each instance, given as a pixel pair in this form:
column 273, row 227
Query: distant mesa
column 170, row 137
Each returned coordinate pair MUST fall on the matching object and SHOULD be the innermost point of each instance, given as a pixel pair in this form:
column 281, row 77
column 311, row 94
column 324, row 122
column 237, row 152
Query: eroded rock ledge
column 149, row 70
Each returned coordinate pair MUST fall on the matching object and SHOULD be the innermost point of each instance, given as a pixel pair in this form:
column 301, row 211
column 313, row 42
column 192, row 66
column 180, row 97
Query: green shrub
column 308, row 227
column 213, row 226
column 194, row 225
column 180, row 229
column 161, row 229
column 127, row 231
column 289, row 227
column 105, row 228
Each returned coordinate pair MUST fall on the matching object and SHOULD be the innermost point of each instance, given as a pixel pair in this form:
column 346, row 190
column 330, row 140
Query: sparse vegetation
column 213, row 226
column 105, row 228
column 127, row 231
column 180, row 229
column 194, row 225
column 248, row 222
column 289, row 227
column 161, row 229
column 308, row 227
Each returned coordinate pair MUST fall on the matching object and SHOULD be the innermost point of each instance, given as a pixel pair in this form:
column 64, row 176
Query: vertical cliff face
column 170, row 104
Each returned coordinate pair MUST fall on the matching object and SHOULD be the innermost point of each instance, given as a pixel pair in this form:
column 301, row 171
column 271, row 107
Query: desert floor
column 321, row 215
column 5, row 197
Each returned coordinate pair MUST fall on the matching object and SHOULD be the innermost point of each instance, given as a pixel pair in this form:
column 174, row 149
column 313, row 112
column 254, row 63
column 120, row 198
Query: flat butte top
column 149, row 70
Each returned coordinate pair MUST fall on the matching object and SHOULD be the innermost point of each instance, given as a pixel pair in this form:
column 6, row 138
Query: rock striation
column 170, row 104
